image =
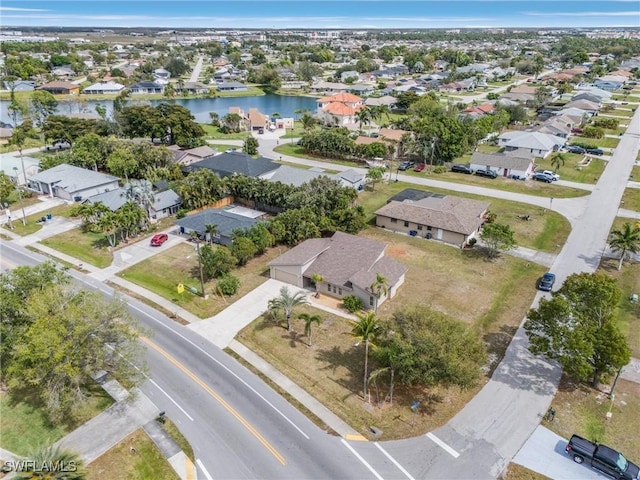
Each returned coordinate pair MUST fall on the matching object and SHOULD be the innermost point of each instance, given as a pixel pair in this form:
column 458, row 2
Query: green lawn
column 635, row 172
column 215, row 134
column 625, row 98
column 252, row 92
column 605, row 142
column 297, row 151
column 631, row 199
column 32, row 226
column 86, row 246
column 620, row 112
column 572, row 170
column 545, row 231
column 297, row 131
column 25, row 426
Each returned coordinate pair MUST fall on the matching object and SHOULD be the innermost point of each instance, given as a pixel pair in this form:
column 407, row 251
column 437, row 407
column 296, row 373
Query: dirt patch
column 396, row 251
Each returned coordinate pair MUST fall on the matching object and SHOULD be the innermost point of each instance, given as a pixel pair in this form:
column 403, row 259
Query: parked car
column 602, row 458
column 543, row 177
column 419, row 167
column 576, row 130
column 456, row 167
column 546, row 282
column 406, row 165
column 158, row 239
column 487, row 173
column 576, row 149
column 553, row 175
column 595, row 151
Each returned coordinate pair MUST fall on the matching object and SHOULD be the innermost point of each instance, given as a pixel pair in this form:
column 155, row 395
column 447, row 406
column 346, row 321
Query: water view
column 286, row 106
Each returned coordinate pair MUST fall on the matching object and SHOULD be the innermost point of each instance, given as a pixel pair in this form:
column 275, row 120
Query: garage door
column 287, row 277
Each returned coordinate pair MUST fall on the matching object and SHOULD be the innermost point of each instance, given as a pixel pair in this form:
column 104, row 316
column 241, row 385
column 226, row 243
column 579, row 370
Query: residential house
column 348, row 264
column 586, row 95
column 226, row 223
column 582, row 104
column 5, row 135
column 227, row 163
column 328, row 88
column 339, row 109
column 191, row 155
column 387, row 100
column 102, row 88
column 477, row 111
column 349, row 74
column 192, row 88
column 146, row 88
column 231, row 87
column 468, row 84
column 575, row 113
column 610, row 82
column 553, row 126
column 350, row 178
column 20, row 85
column 65, row 72
column 534, row 143
column 292, row 175
column 72, row 183
column 112, row 199
column 166, row 203
column 603, row 95
column 449, row 219
column 12, row 167
column 60, row 88
column 161, row 76
column 504, row 165
column 257, row 120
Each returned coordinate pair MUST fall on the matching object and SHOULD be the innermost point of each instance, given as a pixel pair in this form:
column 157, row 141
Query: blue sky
column 321, row 14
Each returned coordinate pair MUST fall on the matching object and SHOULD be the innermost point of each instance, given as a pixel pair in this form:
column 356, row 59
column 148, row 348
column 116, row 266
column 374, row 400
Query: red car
column 158, row 239
column 419, row 167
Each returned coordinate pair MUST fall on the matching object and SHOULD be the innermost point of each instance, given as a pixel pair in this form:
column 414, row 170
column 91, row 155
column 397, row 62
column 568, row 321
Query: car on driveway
column 487, row 173
column 419, row 167
column 546, row 282
column 543, row 177
column 406, row 165
column 158, row 239
column 553, row 175
column 456, row 167
column 575, row 149
column 595, row 151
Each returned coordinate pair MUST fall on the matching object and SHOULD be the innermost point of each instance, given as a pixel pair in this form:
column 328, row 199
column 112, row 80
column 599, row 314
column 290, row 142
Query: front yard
column 89, row 247
column 605, row 142
column 492, row 297
column 32, row 225
column 577, row 168
column 631, row 199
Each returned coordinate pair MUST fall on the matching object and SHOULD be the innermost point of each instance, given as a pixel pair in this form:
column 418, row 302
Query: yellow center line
column 222, row 402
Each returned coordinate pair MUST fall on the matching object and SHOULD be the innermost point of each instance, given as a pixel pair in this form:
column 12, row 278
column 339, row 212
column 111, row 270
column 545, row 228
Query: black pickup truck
column 602, row 458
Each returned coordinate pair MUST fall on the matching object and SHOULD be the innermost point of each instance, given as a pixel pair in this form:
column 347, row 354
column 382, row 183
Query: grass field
column 492, row 297
column 25, row 426
column 620, row 112
column 631, row 199
column 518, row 472
column 635, row 172
column 32, row 226
column 215, row 133
column 119, row 463
column 544, row 231
column 86, row 246
column 162, row 273
column 606, row 142
column 572, row 171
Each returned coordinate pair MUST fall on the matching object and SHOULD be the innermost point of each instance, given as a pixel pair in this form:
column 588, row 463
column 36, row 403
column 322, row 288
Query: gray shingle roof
column 113, row 199
column 73, row 179
column 165, row 199
column 228, row 163
column 500, row 160
column 294, row 176
column 454, row 214
column 302, row 253
column 225, row 221
column 351, row 176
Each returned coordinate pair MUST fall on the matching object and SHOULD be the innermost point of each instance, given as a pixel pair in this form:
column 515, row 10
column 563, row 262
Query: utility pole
column 24, row 218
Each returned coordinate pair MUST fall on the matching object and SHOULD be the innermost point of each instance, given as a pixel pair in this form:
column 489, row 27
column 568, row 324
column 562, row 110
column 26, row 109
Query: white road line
column 443, row 445
column 225, row 367
column 395, row 462
column 357, row 455
column 172, row 400
column 204, row 470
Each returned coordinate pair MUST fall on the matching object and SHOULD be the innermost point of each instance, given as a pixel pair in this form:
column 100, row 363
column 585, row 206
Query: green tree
column 375, row 174
column 122, row 163
column 309, row 320
column 261, row 237
column 211, row 230
column 72, row 465
column 497, row 237
column 250, row 145
column 243, row 249
column 7, row 187
column 43, row 105
column 317, row 279
column 216, row 262
column 380, row 288
column 286, row 303
column 71, row 335
column 577, row 327
column 366, row 328
column 558, row 160
column 625, row 241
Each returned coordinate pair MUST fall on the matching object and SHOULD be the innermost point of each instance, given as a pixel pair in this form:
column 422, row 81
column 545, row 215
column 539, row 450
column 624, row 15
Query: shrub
column 611, row 123
column 440, row 169
column 228, row 285
column 593, row 132
column 352, row 303
column 472, row 241
column 181, row 213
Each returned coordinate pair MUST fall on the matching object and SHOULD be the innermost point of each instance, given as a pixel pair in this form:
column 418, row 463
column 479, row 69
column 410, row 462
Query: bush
column 228, row 285
column 472, row 241
column 440, row 169
column 611, row 123
column 352, row 303
column 181, row 213
column 593, row 132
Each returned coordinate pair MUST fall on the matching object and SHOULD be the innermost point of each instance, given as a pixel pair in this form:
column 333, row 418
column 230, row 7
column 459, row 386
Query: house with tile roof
column 339, row 109
column 191, row 155
column 60, row 88
column 449, row 219
column 348, row 264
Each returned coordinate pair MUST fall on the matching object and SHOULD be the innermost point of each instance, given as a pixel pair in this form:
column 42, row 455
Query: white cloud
column 16, row 9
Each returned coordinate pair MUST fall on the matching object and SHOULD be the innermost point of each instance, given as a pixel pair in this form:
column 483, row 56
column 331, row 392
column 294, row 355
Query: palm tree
column 287, row 302
column 141, row 192
column 317, row 279
column 211, row 230
column 558, row 160
column 364, row 115
column 308, row 320
column 625, row 241
column 71, row 465
column 365, row 328
column 379, row 288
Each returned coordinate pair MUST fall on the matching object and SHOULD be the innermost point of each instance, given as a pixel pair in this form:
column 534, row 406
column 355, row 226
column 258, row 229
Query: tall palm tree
column 141, row 192
column 364, row 115
column 211, row 230
column 366, row 328
column 558, row 160
column 317, row 279
column 287, row 302
column 308, row 321
column 70, row 465
column 625, row 241
column 379, row 288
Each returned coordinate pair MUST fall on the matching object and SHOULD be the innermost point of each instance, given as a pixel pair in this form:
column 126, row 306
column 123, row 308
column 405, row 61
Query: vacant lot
column 492, row 297
column 89, row 247
column 162, row 273
column 25, row 426
column 120, row 464
column 544, row 231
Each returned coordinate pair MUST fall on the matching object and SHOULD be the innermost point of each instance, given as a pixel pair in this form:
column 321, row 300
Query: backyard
column 492, row 297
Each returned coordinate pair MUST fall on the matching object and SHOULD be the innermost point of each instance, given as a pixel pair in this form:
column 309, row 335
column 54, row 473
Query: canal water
column 285, row 106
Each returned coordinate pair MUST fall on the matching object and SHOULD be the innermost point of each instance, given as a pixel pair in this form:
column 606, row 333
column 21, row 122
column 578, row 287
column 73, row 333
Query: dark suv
column 595, row 151
column 487, row 173
column 456, row 167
